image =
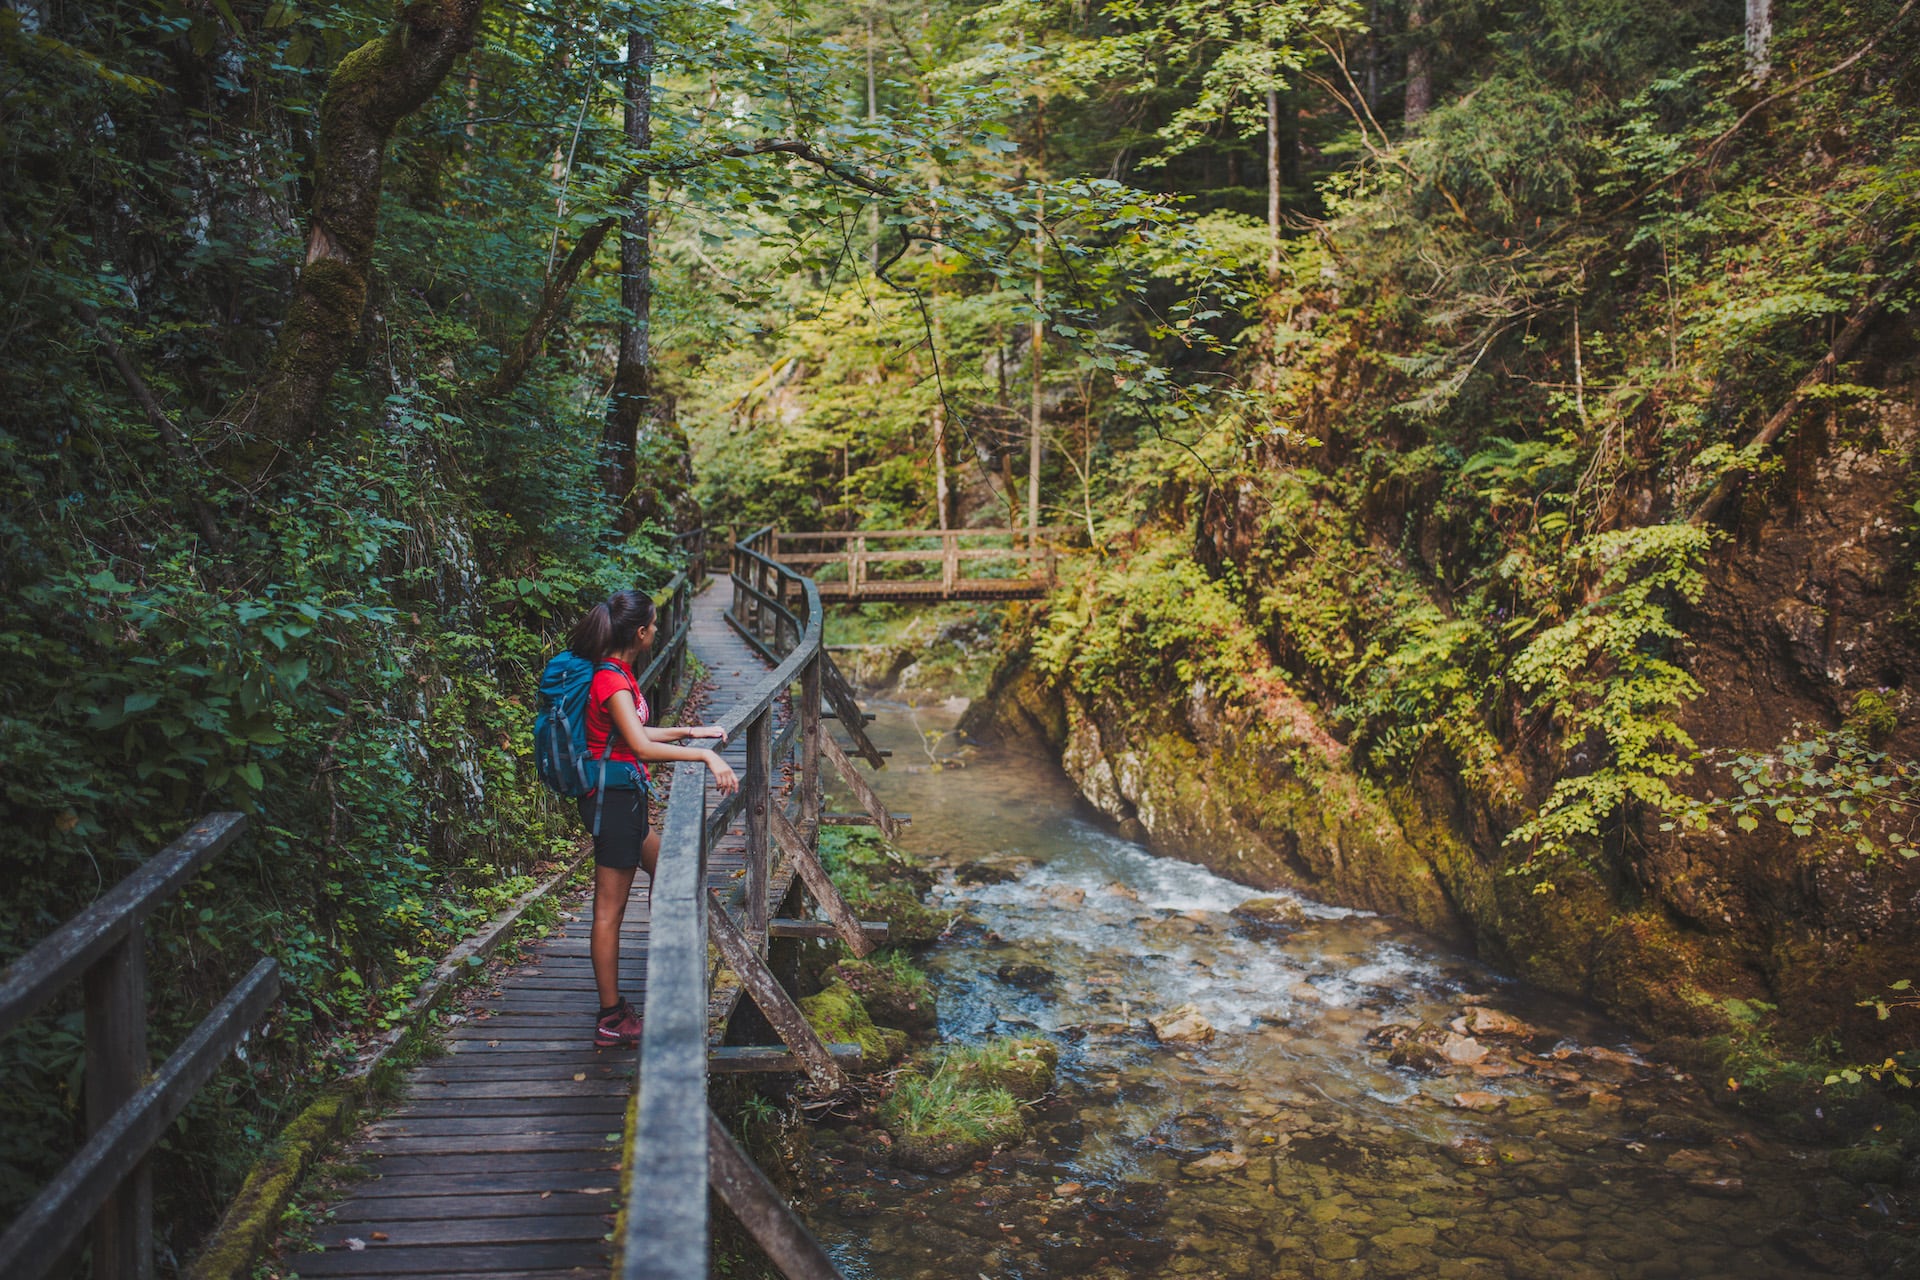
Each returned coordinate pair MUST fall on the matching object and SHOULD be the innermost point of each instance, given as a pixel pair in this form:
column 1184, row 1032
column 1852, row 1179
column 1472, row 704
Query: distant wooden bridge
column 920, row 564
column 505, row 1157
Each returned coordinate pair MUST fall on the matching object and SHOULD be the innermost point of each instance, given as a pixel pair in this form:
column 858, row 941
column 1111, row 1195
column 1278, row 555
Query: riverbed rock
column 1481, row 1021
column 838, row 1015
column 1272, row 912
column 1185, row 1025
column 1478, row 1100
column 983, row 873
column 1862, row 1165
column 1464, row 1050
column 1213, row 1164
column 1028, row 977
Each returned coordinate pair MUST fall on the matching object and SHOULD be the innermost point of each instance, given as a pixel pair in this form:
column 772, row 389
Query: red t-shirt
column 609, row 680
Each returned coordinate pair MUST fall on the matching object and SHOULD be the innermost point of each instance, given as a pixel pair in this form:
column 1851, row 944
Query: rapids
column 1523, row 1136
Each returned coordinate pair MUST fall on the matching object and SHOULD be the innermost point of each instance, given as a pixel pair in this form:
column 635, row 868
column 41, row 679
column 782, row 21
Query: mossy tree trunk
column 633, row 391
column 372, row 90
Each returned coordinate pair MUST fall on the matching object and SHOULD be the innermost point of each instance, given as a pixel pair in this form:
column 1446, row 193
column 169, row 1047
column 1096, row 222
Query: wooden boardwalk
column 503, row 1158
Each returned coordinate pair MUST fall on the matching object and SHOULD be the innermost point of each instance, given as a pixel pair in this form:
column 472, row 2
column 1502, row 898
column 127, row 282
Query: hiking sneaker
column 619, row 1029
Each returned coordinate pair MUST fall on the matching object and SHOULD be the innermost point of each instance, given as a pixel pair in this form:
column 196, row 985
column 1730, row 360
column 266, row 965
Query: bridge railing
column 109, row 1183
column 954, row 562
column 678, row 1148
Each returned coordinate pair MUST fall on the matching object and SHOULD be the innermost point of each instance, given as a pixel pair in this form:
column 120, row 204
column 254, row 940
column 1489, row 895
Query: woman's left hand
column 707, row 731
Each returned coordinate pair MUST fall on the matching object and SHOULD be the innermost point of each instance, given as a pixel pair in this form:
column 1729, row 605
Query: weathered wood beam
column 35, row 1242
column 782, row 1013
column 862, row 792
column 66, row 954
column 821, row 886
column 735, row 1059
column 763, row 1211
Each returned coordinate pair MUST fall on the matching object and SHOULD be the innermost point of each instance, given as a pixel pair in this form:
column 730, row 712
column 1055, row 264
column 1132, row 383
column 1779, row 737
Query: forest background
column 1490, row 425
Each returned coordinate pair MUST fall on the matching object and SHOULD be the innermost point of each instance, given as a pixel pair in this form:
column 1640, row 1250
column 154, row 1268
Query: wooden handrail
column 108, row 1183
column 671, row 1156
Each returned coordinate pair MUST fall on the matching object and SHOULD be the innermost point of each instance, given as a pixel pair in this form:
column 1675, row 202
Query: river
column 1524, row 1136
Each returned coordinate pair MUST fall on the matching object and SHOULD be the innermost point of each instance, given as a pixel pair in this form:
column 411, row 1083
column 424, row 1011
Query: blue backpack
column 560, row 752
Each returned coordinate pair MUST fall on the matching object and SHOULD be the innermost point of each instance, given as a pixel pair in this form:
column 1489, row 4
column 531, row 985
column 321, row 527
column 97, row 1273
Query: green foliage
column 1605, row 678
column 1155, row 621
column 1830, row 788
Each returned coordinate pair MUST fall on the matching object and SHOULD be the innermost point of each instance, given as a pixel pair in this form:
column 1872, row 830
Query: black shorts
column 623, row 825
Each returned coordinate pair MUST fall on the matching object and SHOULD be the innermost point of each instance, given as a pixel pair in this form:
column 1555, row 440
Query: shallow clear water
column 1290, row 1144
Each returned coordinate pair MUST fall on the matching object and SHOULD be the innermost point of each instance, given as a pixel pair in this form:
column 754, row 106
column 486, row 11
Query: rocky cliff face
column 1809, row 607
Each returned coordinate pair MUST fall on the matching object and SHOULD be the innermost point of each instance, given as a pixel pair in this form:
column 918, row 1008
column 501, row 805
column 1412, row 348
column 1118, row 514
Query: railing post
column 858, row 573
column 949, row 561
column 810, row 747
column 116, row 1025
column 755, row 790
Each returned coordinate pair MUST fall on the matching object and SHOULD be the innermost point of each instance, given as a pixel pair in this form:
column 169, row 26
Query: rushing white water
column 1553, row 1147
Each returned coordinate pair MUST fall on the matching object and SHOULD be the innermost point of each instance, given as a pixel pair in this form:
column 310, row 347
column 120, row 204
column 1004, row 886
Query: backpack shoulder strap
column 637, row 697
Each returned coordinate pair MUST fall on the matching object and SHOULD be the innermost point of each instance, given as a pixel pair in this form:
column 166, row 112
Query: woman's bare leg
column 611, row 885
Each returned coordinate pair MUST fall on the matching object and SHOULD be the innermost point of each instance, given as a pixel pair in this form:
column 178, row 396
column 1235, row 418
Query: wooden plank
column 862, row 819
column 756, row 787
column 840, row 695
column 858, row 785
column 66, row 953
column 116, row 1049
column 763, row 1211
column 493, row 1182
column 405, row 1233
column 453, row 1260
column 788, row 1022
column 735, row 1059
column 418, row 1126
column 490, row 1163
column 534, row 1140
column 877, row 930
column 821, row 886
column 666, row 1222
column 472, row 1207
column 604, row 1103
column 37, row 1238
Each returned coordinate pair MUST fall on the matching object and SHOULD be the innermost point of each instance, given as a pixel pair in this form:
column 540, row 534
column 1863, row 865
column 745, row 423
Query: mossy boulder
column 1862, row 1165
column 941, row 1121
column 895, row 994
column 838, row 1016
column 1022, row 1065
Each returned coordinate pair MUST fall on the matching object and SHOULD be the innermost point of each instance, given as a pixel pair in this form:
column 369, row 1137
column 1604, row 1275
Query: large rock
column 1185, row 1025
column 1275, row 912
column 1213, row 1164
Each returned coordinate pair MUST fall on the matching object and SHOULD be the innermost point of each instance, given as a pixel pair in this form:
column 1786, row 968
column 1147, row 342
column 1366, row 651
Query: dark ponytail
column 610, row 628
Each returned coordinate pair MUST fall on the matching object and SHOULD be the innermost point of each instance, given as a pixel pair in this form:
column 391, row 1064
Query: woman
column 616, row 634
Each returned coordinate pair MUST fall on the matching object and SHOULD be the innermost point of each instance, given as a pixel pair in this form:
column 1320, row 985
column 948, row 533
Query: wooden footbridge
column 508, row 1155
column 919, row 564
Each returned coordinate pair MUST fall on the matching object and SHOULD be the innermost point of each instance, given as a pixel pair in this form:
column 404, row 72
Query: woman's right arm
column 626, row 718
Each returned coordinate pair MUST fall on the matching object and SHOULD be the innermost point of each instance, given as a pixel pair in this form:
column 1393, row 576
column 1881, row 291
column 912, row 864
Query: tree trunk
column 632, row 399
column 372, row 90
column 873, row 114
column 1036, row 342
column 1759, row 39
column 1273, row 188
column 1419, row 70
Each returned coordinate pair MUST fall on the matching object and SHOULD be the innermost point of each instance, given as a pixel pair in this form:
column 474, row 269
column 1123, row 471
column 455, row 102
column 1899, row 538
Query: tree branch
column 1774, row 427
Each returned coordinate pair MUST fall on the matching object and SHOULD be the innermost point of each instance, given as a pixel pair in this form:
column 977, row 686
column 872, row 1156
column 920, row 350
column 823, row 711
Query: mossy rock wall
column 1275, row 805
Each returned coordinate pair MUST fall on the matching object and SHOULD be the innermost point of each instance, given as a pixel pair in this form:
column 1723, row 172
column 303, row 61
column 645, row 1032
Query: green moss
column 253, row 1219
column 895, row 993
column 838, row 1016
column 941, row 1120
column 1022, row 1065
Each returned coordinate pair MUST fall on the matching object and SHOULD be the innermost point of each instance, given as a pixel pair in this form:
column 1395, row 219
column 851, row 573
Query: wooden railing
column 937, row 563
column 679, row 1148
column 108, row 1183
column 668, row 662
